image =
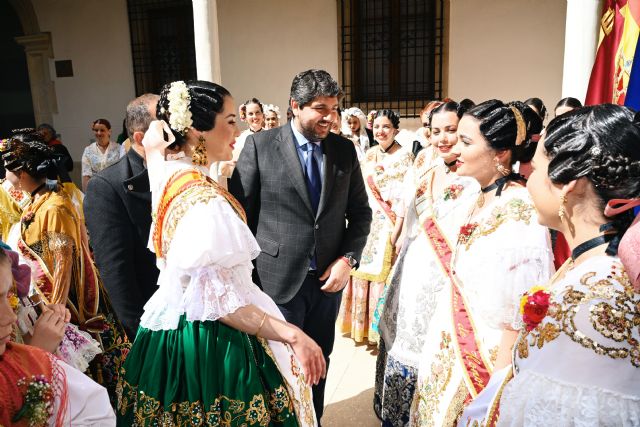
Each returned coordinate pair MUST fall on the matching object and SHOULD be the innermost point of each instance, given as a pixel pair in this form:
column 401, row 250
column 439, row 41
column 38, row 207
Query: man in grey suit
column 306, row 203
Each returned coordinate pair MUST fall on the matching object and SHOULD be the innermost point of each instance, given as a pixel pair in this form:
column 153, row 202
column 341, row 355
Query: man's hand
column 338, row 274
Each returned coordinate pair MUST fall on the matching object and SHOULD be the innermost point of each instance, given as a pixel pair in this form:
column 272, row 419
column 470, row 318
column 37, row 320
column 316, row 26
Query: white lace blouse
column 507, row 253
column 581, row 365
column 206, row 272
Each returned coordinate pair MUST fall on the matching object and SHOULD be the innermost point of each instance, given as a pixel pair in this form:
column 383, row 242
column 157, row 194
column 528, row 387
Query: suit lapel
column 329, row 173
column 287, row 148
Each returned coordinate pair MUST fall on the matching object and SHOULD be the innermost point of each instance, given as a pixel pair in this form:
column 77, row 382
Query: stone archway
column 38, row 49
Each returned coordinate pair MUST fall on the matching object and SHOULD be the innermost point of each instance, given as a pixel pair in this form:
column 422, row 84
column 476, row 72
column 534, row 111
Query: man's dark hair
column 138, row 118
column 311, row 84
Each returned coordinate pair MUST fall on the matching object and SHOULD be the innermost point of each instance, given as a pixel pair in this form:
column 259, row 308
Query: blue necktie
column 314, row 185
column 312, row 173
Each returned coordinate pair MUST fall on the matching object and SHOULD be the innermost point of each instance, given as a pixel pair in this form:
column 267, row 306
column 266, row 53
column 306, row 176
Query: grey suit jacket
column 269, row 182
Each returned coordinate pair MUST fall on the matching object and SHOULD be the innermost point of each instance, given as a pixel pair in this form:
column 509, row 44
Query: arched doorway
column 16, row 108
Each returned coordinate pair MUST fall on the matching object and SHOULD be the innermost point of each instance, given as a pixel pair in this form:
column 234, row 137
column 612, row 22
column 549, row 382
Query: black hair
column 601, row 143
column 311, row 84
column 104, row 122
column 393, row 117
column 467, row 104
column 538, row 105
column 498, row 125
column 534, row 124
column 25, row 150
column 206, row 101
column 447, row 107
column 569, row 102
column 254, row 101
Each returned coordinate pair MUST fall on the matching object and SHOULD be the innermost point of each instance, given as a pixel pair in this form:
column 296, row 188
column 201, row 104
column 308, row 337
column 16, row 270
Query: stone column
column 38, row 51
column 580, row 44
column 205, row 31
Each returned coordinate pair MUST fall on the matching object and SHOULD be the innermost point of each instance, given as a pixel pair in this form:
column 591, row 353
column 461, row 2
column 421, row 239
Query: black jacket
column 117, row 209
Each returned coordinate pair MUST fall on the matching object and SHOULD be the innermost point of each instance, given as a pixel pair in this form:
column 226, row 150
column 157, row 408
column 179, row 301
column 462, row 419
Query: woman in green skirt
column 212, row 348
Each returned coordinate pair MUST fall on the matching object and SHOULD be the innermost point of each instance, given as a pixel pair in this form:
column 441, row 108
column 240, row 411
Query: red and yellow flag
column 619, row 30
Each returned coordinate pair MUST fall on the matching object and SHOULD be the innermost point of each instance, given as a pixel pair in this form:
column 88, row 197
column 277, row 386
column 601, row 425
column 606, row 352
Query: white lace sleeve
column 207, row 274
column 508, row 268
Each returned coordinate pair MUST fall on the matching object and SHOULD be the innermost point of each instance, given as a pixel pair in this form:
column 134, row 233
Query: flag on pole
column 612, row 68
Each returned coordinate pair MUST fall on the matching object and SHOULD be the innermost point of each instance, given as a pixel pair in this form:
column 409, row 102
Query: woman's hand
column 49, row 329
column 310, row 356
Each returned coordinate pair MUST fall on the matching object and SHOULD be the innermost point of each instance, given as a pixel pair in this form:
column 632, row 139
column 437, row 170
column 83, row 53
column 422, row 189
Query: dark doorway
column 16, row 105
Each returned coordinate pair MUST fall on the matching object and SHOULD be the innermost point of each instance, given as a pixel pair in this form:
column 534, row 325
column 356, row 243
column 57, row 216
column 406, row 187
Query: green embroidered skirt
column 201, row 374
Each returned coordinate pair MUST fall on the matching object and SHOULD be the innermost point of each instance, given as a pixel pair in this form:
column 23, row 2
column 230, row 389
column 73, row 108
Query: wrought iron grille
column 391, row 53
column 162, row 42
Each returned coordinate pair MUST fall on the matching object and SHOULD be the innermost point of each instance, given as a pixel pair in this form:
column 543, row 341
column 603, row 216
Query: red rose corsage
column 466, row 231
column 534, row 306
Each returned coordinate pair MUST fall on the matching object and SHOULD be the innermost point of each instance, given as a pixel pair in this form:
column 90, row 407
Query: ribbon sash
column 176, row 185
column 477, row 371
column 386, row 207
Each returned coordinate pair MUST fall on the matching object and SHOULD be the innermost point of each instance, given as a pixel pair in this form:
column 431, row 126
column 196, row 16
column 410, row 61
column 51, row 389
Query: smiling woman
column 209, row 339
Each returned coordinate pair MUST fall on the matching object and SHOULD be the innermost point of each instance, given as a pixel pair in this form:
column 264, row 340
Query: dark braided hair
column 206, row 102
column 393, row 117
column 499, row 127
column 25, row 150
column 447, row 107
column 602, row 144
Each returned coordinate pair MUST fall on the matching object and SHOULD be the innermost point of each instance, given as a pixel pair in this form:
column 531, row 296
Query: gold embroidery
column 149, row 411
column 615, row 317
column 515, row 210
column 456, row 407
column 181, row 205
column 430, row 390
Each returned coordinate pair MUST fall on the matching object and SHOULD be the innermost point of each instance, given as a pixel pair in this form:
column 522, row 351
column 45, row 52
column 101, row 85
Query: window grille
column 391, row 53
column 162, row 42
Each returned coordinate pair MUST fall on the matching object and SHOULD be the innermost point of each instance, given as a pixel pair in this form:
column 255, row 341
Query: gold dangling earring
column 199, row 156
column 501, row 169
column 562, row 212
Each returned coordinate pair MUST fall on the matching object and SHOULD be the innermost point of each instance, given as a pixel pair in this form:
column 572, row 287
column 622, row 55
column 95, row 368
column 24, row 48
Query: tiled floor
column 349, row 392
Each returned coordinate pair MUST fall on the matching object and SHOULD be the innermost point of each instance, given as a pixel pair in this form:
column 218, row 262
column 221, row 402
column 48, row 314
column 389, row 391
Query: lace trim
column 77, row 348
column 205, row 294
column 531, row 399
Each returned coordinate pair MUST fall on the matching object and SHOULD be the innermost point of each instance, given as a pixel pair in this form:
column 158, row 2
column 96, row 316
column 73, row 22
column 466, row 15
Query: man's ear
column 137, row 137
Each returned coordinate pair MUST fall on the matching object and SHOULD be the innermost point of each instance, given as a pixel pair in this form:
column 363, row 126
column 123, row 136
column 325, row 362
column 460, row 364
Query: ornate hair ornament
column 271, row 107
column 179, row 113
column 242, row 112
column 521, row 126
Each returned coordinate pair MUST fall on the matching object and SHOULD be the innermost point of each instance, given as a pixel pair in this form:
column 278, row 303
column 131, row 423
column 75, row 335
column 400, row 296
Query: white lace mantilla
column 549, row 402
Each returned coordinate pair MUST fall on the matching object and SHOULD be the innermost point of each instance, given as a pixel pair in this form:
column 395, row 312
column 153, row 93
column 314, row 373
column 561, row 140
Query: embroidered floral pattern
column 261, row 410
column 431, row 389
column 452, row 192
column 514, row 210
column 616, row 317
